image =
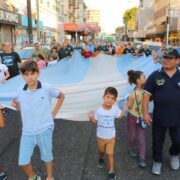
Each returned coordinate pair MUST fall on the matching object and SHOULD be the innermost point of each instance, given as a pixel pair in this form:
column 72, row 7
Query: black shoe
column 3, row 176
column 100, row 163
column 112, row 176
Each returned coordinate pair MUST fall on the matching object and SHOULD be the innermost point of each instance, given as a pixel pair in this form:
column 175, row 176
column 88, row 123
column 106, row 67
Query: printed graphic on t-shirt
column 8, row 60
column 106, row 122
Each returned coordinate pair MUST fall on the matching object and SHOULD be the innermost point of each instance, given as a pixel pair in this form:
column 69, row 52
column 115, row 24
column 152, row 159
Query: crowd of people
column 162, row 86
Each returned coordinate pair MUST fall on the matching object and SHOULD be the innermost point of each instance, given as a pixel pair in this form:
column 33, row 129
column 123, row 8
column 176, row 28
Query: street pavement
column 75, row 153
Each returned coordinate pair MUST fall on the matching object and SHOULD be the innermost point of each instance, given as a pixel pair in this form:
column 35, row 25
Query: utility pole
column 30, row 32
column 168, row 24
column 38, row 31
column 76, row 15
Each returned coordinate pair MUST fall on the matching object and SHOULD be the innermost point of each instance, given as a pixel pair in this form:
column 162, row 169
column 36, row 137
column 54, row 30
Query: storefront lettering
column 9, row 17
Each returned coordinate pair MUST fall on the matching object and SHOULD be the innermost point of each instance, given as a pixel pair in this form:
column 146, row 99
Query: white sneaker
column 38, row 178
column 156, row 168
column 174, row 162
column 35, row 178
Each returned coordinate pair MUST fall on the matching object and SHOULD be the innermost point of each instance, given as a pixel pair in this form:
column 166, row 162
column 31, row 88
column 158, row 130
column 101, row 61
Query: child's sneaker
column 174, row 163
column 36, row 177
column 156, row 168
column 100, row 163
column 51, row 178
column 3, row 176
column 133, row 153
column 111, row 176
column 142, row 163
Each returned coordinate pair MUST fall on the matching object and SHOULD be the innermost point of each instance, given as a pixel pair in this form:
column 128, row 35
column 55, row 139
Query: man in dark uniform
column 64, row 52
column 104, row 47
column 69, row 47
column 164, row 87
column 129, row 49
column 145, row 50
column 78, row 47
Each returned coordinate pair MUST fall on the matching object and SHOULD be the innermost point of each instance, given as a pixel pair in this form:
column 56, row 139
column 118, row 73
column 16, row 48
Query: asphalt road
column 75, row 153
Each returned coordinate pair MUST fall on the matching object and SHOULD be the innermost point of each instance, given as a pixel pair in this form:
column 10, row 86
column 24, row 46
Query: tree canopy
column 129, row 18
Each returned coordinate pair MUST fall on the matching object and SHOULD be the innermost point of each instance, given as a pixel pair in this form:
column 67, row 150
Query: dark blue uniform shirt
column 165, row 91
column 127, row 50
column 147, row 52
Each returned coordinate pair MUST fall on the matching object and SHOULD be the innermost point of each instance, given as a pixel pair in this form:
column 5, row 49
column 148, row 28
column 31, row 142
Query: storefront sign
column 9, row 17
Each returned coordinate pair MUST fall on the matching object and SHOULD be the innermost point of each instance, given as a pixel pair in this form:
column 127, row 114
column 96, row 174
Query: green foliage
column 129, row 18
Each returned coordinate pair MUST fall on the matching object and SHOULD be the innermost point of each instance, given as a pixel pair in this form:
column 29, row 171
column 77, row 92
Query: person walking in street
column 136, row 133
column 11, row 59
column 64, row 52
column 164, row 87
column 33, row 101
column 104, row 119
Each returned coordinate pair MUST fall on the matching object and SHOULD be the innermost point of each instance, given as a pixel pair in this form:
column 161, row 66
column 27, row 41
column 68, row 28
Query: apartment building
column 9, row 20
column 75, row 12
column 164, row 9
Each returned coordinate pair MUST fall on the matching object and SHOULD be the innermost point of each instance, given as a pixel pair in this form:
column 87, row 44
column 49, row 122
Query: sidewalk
column 75, row 153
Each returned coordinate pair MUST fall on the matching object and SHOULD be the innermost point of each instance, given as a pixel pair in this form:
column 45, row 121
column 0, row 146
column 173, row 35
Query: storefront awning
column 156, row 29
column 71, row 27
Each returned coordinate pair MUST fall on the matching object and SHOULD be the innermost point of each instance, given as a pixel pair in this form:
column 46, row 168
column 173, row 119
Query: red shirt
column 87, row 54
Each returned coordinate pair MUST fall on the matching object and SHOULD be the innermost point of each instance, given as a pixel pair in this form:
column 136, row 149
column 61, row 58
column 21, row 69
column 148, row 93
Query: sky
column 111, row 12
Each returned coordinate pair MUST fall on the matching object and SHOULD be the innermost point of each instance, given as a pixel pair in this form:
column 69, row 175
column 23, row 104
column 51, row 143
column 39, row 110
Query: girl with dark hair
column 53, row 54
column 136, row 134
column 41, row 62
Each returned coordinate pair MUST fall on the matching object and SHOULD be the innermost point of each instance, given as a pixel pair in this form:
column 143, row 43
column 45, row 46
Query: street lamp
column 168, row 25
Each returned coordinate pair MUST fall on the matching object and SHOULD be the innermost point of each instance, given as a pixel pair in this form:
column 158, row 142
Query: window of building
column 48, row 3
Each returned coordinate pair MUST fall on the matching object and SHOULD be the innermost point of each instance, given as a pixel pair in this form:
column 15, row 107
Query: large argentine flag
column 83, row 81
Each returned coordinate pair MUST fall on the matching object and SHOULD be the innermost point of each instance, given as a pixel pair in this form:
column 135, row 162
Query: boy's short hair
column 111, row 90
column 36, row 43
column 29, row 66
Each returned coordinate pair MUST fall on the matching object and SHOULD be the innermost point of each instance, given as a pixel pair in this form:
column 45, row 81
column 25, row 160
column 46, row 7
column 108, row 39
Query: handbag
column 140, row 120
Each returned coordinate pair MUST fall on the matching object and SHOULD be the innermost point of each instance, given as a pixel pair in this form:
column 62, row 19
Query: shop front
column 8, row 21
column 22, row 31
column 156, row 33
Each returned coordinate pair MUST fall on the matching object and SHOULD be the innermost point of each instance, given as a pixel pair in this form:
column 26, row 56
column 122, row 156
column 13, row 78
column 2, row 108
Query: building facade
column 164, row 9
column 93, row 18
column 146, row 3
column 144, row 18
column 9, row 20
column 93, row 15
column 51, row 14
column 75, row 11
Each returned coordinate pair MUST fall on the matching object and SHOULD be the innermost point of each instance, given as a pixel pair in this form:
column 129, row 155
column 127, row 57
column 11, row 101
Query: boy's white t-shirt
column 106, row 121
column 3, row 69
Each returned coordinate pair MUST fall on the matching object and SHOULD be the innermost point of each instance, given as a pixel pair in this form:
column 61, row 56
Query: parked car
column 26, row 53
